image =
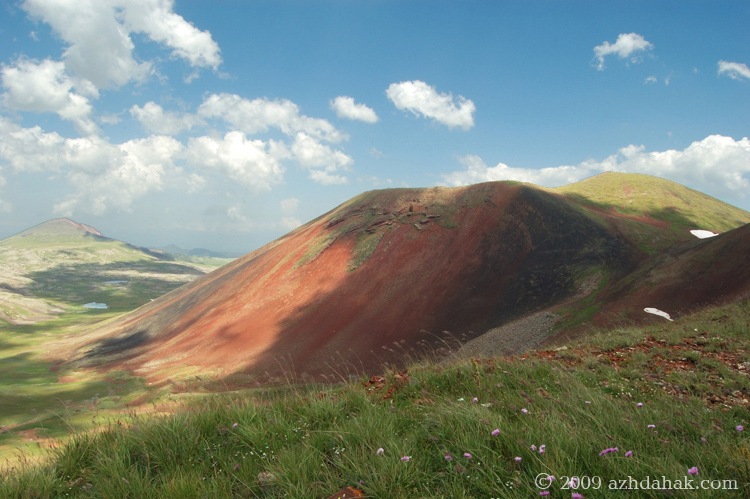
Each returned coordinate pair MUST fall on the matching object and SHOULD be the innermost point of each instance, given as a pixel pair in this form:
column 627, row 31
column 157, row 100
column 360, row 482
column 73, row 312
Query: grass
column 673, row 394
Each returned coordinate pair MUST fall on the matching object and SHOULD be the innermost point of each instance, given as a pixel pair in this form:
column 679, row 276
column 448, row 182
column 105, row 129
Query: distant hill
column 394, row 273
column 176, row 250
column 57, row 266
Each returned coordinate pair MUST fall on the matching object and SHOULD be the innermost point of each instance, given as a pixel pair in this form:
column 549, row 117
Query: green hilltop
column 59, row 265
column 638, row 194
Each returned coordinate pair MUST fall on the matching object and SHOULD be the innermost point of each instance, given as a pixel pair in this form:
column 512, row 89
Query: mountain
column 398, row 273
column 59, row 265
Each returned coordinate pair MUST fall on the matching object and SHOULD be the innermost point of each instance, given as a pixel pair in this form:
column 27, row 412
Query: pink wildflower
column 542, row 449
column 518, row 459
column 533, row 447
column 406, row 458
column 380, row 451
column 739, row 427
column 495, row 432
column 629, row 453
column 639, row 404
column 544, row 493
column 693, row 470
column 525, row 411
column 448, row 457
column 576, row 495
column 467, row 455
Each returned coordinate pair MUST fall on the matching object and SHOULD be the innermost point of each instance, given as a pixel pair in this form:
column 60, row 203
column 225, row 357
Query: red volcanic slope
column 368, row 281
column 379, row 276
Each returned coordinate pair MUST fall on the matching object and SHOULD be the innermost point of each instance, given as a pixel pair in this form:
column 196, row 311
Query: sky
column 224, row 124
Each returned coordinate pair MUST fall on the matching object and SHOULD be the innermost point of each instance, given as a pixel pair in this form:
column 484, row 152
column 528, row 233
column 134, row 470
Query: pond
column 96, row 305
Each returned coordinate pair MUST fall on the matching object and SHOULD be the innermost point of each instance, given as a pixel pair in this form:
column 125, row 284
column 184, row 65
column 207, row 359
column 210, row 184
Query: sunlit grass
column 605, row 409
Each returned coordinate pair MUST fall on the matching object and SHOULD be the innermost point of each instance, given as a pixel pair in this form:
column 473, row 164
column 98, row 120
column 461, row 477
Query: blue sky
column 224, row 124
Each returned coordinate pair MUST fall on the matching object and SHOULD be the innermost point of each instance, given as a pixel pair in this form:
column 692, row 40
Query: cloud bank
column 717, row 165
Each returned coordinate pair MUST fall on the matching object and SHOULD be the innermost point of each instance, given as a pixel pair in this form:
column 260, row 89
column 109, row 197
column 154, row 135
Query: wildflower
column 629, row 453
column 693, row 470
column 448, row 457
column 576, row 495
column 525, row 411
column 380, row 451
column 541, row 449
column 496, row 432
column 475, row 399
column 703, row 439
column 588, row 401
column 467, row 455
column 607, row 451
column 533, row 447
column 361, row 482
column 544, row 493
column 406, row 458
column 518, row 459
column 651, row 426
column 573, row 482
column 236, row 466
column 739, row 427
column 235, row 425
column 551, row 478
column 639, row 404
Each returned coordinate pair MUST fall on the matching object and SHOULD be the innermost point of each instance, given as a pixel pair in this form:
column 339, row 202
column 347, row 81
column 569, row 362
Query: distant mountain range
column 396, row 273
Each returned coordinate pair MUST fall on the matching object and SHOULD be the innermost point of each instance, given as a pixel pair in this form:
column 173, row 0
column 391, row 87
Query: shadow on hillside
column 668, row 214
column 77, row 284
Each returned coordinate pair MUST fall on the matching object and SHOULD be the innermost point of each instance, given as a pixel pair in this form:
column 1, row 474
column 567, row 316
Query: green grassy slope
column 642, row 402
column 637, row 194
column 46, row 274
column 651, row 212
column 59, row 265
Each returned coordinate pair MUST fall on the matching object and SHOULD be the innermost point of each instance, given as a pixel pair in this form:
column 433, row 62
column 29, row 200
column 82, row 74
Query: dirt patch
column 510, row 339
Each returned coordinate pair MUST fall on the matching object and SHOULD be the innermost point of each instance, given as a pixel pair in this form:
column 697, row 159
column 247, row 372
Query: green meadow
column 657, row 409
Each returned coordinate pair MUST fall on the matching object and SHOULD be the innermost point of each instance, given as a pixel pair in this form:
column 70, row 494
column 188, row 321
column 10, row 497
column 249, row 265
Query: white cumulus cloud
column 628, row 45
column 320, row 159
column 253, row 163
column 154, row 118
column 258, row 115
column 734, row 70
column 99, row 46
column 103, row 176
column 716, row 165
column 345, row 107
column 422, row 99
column 45, row 87
column 110, row 177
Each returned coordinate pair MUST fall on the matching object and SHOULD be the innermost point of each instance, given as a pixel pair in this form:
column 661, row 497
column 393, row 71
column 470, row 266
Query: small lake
column 96, row 305
column 115, row 282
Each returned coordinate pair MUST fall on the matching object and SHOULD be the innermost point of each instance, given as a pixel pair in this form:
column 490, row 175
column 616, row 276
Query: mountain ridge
column 381, row 274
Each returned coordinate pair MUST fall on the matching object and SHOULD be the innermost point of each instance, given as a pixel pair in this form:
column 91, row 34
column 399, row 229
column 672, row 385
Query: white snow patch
column 703, row 234
column 658, row 312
